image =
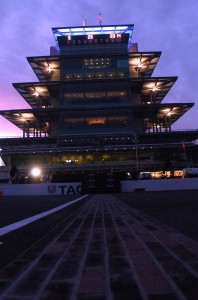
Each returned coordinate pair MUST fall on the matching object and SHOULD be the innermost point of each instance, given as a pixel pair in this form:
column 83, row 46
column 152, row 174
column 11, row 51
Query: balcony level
column 137, row 64
column 41, row 95
column 77, row 153
column 87, row 120
column 100, row 141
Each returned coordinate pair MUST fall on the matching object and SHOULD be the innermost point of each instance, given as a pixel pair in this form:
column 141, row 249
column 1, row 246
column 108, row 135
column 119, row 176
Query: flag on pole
column 84, row 21
column 100, row 18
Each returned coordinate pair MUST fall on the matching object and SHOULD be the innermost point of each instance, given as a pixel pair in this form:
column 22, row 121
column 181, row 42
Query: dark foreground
column 101, row 249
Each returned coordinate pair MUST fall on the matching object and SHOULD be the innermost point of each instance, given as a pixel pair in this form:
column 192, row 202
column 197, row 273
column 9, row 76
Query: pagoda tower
column 97, row 105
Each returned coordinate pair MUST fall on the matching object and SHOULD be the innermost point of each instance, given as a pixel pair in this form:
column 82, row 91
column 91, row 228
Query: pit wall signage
column 65, row 189
column 73, row 188
column 38, row 189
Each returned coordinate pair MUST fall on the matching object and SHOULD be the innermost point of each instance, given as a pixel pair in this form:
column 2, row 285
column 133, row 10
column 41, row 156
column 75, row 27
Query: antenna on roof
column 100, row 19
column 84, row 21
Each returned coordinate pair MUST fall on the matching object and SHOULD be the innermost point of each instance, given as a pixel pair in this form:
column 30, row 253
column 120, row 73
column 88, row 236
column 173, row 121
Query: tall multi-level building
column 96, row 105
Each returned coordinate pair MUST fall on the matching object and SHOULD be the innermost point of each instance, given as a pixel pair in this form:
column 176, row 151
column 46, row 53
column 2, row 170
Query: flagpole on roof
column 100, row 19
column 84, row 21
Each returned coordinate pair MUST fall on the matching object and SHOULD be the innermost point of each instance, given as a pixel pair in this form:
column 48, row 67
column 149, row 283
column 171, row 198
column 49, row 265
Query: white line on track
column 19, row 224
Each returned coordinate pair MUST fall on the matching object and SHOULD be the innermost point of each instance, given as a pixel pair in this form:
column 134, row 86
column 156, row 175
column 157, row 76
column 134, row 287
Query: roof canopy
column 92, row 30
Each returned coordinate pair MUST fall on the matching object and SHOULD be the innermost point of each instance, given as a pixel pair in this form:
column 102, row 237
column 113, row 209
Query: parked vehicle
column 145, row 176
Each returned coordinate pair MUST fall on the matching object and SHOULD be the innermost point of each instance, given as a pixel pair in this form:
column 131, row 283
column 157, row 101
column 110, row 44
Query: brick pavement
column 105, row 250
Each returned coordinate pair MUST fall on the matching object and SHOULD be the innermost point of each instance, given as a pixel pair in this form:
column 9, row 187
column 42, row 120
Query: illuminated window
column 96, row 120
column 118, row 120
column 116, row 94
column 74, row 122
column 95, row 95
column 97, row 63
column 73, row 95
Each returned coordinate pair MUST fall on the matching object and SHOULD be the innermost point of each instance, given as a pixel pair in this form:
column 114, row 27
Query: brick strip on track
column 105, row 250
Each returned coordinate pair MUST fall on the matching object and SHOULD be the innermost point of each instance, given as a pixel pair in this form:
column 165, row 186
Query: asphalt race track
column 104, row 247
column 178, row 209
column 14, row 209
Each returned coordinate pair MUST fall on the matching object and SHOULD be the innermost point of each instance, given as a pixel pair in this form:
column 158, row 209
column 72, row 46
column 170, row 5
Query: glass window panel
column 122, row 63
column 73, row 95
column 96, row 120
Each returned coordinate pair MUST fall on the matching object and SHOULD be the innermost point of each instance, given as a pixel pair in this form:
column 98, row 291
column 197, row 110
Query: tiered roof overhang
column 38, row 94
column 31, row 117
column 147, row 60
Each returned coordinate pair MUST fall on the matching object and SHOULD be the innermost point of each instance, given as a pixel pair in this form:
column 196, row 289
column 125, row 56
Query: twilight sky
column 170, row 26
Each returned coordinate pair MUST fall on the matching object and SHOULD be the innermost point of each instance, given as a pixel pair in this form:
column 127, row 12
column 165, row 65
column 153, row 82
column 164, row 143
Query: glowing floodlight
column 49, row 69
column 35, row 172
column 36, row 94
column 154, row 89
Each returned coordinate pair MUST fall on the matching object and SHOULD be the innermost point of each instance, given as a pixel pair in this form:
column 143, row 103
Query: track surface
column 100, row 249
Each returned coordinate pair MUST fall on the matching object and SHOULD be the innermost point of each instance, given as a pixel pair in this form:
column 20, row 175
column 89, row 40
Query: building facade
column 96, row 106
